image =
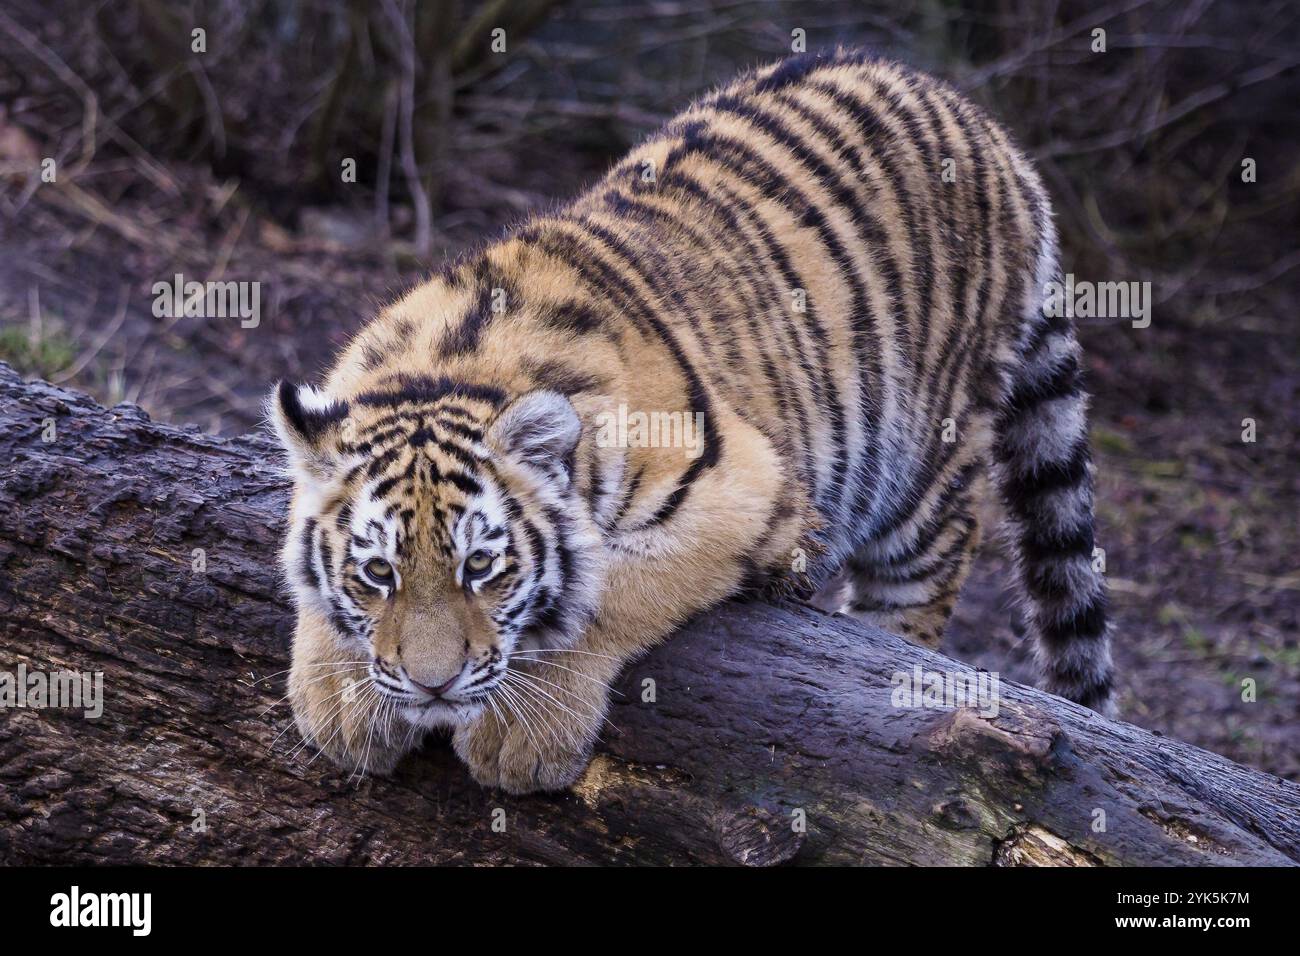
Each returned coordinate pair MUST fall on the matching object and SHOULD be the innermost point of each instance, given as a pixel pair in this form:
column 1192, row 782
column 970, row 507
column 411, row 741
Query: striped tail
column 1044, row 475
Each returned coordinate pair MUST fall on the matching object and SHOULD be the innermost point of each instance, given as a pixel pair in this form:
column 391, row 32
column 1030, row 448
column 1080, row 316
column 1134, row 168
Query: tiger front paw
column 543, row 750
column 337, row 717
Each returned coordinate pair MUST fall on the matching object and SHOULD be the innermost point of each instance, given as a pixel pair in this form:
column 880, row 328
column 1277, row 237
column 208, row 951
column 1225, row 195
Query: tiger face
column 435, row 527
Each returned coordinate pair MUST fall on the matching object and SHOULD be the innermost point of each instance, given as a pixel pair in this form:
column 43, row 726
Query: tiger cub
column 793, row 337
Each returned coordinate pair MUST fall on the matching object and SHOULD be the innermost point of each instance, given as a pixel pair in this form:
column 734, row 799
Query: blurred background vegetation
column 226, row 164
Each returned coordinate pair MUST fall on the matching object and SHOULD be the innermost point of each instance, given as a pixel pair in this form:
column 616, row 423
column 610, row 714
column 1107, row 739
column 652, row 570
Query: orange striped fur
column 835, row 267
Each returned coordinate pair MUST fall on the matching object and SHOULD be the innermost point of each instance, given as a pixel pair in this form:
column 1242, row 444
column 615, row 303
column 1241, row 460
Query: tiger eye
column 379, row 569
column 478, row 562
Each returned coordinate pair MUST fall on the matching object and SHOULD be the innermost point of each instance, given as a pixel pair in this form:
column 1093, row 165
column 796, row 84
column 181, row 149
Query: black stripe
column 423, row 435
column 465, row 337
column 722, row 275
column 580, row 256
column 339, row 618
column 326, row 554
column 947, row 259
column 869, row 229
column 423, row 388
column 1087, row 623
column 378, row 462
column 1050, row 580
column 1046, row 326
column 458, row 428
column 1041, row 547
column 385, row 486
column 868, row 226
column 1065, row 381
column 573, row 317
column 1019, row 488
column 707, row 321
column 987, row 382
column 957, row 351
column 563, row 551
column 746, row 163
column 872, row 130
column 308, row 545
column 465, row 483
column 952, row 501
column 628, row 496
column 796, row 68
column 595, row 482
column 718, row 202
column 1093, row 694
column 673, row 176
column 698, row 396
column 537, row 551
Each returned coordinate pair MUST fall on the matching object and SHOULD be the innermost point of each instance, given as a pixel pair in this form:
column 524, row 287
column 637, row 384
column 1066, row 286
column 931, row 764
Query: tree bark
column 147, row 552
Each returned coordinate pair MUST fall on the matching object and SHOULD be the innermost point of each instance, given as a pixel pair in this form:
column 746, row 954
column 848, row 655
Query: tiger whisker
column 595, row 680
column 594, row 712
column 409, row 742
column 540, row 698
column 316, row 679
column 545, row 694
column 367, row 709
column 524, row 675
column 565, row 732
column 524, row 712
column 375, row 714
column 306, row 741
column 263, row 680
column 365, row 683
column 364, row 761
column 563, row 650
column 515, row 702
column 293, row 751
column 363, row 701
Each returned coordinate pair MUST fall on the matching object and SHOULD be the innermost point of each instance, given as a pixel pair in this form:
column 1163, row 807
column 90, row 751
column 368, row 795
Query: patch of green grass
column 1161, row 469
column 47, row 355
column 1196, row 640
column 1284, row 657
column 1196, row 540
column 1107, row 440
column 1170, row 613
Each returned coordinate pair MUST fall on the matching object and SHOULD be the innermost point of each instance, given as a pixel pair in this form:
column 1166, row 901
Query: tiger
column 788, row 344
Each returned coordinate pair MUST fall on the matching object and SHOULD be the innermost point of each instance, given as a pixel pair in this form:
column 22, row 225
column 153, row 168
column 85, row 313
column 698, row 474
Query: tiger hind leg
column 908, row 582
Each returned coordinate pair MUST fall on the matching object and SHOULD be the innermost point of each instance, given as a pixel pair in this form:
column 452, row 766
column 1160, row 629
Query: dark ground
column 1199, row 527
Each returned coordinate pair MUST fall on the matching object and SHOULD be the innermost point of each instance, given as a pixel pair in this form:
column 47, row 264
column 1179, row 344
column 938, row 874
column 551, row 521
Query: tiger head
column 436, row 528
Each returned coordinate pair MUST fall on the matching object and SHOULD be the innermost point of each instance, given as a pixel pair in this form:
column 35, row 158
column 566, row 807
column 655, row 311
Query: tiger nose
column 433, row 691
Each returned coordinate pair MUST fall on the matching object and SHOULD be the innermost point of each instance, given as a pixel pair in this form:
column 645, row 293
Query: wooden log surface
column 147, row 552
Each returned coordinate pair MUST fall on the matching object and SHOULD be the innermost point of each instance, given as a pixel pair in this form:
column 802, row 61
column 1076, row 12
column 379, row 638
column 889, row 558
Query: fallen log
column 760, row 734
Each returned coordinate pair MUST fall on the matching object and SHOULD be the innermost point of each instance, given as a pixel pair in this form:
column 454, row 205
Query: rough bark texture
column 762, row 715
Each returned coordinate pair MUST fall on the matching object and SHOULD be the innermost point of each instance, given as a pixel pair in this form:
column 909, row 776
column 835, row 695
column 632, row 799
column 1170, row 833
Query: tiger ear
column 308, row 422
column 540, row 428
